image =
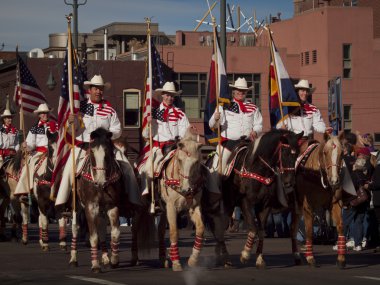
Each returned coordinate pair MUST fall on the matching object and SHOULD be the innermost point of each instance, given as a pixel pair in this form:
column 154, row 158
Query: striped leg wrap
column 174, row 252
column 74, row 243
column 308, row 248
column 198, row 242
column 62, row 234
column 260, row 246
column 115, row 247
column 103, row 246
column 25, row 230
column 44, row 235
column 342, row 245
column 250, row 241
column 40, row 233
column 294, row 245
column 94, row 253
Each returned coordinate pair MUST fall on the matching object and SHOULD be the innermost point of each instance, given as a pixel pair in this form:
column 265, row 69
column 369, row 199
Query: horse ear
column 94, row 135
column 180, row 145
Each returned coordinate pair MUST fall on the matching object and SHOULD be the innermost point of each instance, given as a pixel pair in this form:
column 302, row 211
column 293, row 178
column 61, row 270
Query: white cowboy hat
column 302, row 84
column 97, row 80
column 43, row 108
column 6, row 113
column 168, row 87
column 241, row 84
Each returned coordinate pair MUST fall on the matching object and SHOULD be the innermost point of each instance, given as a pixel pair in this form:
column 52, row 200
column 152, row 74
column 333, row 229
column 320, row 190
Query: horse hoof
column 243, row 260
column 45, row 248
column 63, row 247
column 228, row 264
column 95, row 270
column 312, row 264
column 260, row 266
column 164, row 263
column 73, row 264
column 24, row 242
column 192, row 262
column 341, row 264
column 113, row 266
column 177, row 267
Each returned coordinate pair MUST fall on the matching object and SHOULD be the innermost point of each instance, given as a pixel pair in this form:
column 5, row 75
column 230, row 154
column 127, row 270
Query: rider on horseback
column 169, row 124
column 239, row 120
column 95, row 112
column 9, row 141
column 36, row 143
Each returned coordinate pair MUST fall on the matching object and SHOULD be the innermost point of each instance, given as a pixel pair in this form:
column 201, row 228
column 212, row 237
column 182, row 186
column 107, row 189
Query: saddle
column 238, row 149
column 162, row 164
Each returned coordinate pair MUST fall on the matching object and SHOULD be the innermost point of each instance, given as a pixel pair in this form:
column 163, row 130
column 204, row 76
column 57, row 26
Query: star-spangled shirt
column 9, row 138
column 37, row 135
column 96, row 115
column 235, row 123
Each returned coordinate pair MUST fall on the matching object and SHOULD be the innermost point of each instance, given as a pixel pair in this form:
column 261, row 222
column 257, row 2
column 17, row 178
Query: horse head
column 188, row 156
column 102, row 155
column 331, row 159
column 52, row 145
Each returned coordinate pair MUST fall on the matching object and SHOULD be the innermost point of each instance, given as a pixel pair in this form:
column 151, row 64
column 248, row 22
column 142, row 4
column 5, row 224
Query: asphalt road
column 29, row 265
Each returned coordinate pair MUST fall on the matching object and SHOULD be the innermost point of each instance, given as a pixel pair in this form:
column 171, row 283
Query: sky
column 28, row 23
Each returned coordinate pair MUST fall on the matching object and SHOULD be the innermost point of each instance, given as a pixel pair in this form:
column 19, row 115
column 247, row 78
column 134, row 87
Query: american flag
column 248, row 107
column 155, row 69
column 31, row 93
column 63, row 151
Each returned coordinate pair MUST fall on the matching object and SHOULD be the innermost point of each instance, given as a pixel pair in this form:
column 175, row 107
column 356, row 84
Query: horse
column 318, row 185
column 10, row 174
column 42, row 178
column 181, row 189
column 100, row 191
column 260, row 173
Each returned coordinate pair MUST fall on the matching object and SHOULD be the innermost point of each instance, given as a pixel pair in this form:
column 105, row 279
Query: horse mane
column 190, row 135
column 267, row 144
column 16, row 162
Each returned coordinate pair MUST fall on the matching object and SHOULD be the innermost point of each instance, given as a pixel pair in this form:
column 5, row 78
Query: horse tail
column 144, row 229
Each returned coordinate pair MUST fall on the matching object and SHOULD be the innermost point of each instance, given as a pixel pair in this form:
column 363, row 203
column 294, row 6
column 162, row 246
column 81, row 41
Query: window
column 193, row 98
column 376, row 137
column 347, row 60
column 347, row 117
column 307, row 58
column 247, row 41
column 314, row 56
column 131, row 110
column 301, row 58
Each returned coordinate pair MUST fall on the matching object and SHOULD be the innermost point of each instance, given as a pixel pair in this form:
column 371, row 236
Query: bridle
column 324, row 167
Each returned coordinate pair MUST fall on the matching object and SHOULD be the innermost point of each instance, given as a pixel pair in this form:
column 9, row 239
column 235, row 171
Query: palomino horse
column 181, row 189
column 101, row 193
column 318, row 186
column 11, row 171
column 267, row 162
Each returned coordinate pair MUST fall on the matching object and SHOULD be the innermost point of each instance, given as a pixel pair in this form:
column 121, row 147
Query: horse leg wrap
column 198, row 243
column 74, row 243
column 174, row 252
column 44, row 235
column 94, row 253
column 249, row 243
column 24, row 231
column 62, row 234
column 341, row 245
column 308, row 249
column 115, row 248
column 260, row 246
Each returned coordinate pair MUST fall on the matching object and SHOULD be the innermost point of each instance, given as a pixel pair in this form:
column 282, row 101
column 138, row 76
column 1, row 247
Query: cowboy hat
column 241, row 84
column 97, row 80
column 43, row 108
column 303, row 84
column 168, row 87
column 6, row 113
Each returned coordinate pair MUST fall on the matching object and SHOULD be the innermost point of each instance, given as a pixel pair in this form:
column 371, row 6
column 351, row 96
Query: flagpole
column 153, row 202
column 275, row 72
column 22, row 127
column 217, row 94
column 71, row 96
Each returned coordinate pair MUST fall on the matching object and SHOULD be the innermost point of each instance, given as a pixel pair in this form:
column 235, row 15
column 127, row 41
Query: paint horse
column 319, row 186
column 181, row 189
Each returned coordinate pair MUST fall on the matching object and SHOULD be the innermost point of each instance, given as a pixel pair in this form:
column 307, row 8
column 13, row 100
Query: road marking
column 369, row 277
column 95, row 280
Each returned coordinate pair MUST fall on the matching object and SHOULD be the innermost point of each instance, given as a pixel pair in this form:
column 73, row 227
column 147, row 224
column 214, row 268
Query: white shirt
column 234, row 123
column 175, row 125
column 9, row 138
column 308, row 123
column 37, row 135
column 98, row 115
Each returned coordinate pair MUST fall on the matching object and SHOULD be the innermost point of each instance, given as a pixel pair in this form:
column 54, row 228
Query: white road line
column 94, row 280
column 369, row 277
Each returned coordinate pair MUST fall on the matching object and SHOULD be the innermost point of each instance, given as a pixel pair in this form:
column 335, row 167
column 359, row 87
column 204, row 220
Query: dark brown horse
column 267, row 162
column 319, row 186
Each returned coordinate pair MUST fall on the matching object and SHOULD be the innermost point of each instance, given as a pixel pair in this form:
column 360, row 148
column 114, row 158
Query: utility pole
column 223, row 36
column 75, row 6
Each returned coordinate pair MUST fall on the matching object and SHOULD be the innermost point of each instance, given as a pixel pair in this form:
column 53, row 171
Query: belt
column 41, row 149
column 7, row 152
column 161, row 145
